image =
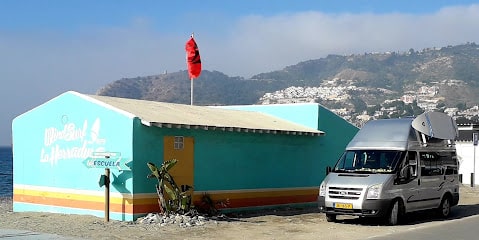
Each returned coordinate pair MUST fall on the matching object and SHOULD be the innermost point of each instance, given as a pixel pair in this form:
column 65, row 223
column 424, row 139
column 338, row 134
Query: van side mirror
column 413, row 170
column 407, row 173
column 413, row 167
column 328, row 170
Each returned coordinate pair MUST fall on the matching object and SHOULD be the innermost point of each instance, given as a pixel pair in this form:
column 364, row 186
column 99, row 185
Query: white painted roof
column 173, row 115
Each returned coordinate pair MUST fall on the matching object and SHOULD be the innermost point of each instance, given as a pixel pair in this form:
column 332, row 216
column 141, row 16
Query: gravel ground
column 280, row 224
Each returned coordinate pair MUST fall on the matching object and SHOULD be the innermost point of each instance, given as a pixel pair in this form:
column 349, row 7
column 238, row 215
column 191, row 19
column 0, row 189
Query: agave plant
column 177, row 200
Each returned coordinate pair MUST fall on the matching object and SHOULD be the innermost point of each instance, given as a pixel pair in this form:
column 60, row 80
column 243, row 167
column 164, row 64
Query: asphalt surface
column 28, row 235
column 460, row 229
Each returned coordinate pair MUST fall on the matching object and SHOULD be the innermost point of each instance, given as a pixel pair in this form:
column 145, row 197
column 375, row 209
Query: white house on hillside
column 467, row 153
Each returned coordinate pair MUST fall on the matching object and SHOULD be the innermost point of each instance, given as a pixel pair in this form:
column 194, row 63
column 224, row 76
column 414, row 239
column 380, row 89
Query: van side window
column 449, row 161
column 431, row 164
column 438, row 163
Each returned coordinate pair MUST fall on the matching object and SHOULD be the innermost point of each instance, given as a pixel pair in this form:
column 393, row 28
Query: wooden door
column 182, row 149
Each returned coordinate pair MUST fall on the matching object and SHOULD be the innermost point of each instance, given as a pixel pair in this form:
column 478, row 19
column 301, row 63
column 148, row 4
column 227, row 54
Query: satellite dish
column 436, row 124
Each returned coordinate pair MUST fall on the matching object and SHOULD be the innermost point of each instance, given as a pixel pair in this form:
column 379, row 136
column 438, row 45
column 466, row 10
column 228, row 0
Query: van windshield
column 369, row 161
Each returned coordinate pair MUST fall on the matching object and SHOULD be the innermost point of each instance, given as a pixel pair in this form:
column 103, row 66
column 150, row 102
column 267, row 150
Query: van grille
column 344, row 193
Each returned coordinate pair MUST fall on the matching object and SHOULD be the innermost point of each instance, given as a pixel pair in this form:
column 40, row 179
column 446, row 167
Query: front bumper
column 370, row 208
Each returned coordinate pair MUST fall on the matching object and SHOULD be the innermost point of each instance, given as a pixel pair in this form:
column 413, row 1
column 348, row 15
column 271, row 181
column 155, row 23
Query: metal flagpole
column 474, row 142
column 191, row 84
column 191, row 89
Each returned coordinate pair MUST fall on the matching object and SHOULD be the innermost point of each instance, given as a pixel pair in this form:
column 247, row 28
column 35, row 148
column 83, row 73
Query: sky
column 53, row 46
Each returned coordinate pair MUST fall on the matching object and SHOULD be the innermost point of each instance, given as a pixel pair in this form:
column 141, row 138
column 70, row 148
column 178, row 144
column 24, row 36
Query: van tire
column 330, row 217
column 394, row 213
column 444, row 209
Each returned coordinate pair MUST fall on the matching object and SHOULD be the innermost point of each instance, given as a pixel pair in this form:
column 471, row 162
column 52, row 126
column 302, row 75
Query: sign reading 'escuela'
column 105, row 160
column 102, row 163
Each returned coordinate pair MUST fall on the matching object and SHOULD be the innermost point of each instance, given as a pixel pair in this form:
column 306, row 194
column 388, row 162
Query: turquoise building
column 243, row 156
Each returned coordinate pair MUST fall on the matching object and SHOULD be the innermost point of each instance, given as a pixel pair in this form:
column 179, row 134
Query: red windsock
column 193, row 60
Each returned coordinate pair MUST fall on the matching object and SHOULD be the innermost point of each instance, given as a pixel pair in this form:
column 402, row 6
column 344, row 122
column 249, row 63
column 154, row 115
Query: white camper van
column 395, row 166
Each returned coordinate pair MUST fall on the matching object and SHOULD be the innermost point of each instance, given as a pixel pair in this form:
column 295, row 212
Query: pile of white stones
column 174, row 219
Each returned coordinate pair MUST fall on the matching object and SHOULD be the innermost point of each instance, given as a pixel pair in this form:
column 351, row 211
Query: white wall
column 465, row 156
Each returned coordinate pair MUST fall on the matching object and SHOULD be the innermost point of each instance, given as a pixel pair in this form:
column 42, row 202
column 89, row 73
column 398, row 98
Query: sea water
column 6, row 171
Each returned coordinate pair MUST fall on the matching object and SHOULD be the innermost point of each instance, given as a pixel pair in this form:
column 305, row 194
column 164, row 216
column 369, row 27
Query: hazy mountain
column 398, row 72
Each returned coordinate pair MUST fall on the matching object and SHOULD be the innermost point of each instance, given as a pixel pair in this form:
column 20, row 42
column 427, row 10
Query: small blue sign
column 106, row 160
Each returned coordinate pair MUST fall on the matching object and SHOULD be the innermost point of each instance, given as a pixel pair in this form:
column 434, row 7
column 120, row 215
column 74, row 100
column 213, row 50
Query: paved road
column 459, row 229
column 28, row 235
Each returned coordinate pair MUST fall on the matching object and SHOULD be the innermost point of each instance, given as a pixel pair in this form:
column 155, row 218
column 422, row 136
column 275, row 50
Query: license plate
column 343, row 205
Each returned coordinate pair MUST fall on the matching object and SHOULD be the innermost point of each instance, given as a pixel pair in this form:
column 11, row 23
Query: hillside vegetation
column 395, row 72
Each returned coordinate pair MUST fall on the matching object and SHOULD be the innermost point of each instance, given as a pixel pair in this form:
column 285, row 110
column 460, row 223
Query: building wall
column 148, row 147
column 253, row 169
column 465, row 156
column 50, row 146
column 338, row 132
column 247, row 169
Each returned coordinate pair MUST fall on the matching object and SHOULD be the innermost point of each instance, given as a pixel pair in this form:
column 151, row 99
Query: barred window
column 179, row 142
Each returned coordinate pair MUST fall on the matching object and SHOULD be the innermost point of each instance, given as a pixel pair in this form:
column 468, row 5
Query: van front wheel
column 445, row 208
column 330, row 217
column 393, row 214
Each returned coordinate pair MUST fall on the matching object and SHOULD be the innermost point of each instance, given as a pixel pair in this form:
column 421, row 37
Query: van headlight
column 322, row 190
column 374, row 191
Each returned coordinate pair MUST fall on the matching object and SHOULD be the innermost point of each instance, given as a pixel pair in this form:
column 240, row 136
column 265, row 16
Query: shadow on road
column 458, row 212
column 282, row 212
column 462, row 211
